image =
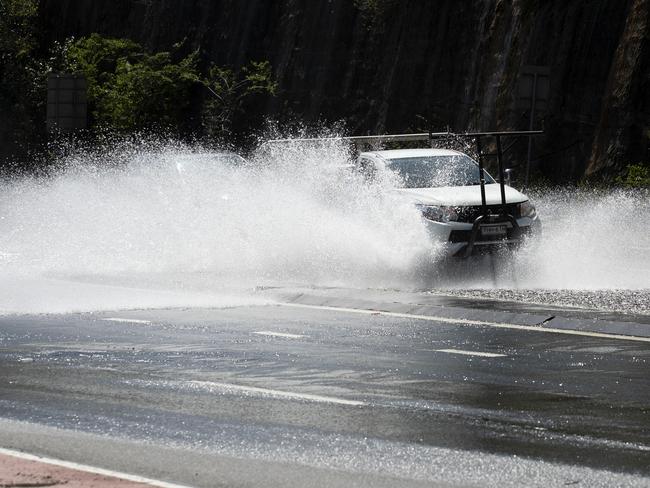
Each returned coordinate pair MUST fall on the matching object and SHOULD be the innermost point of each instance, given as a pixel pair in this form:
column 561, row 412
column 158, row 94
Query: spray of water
column 173, row 217
column 591, row 240
column 189, row 226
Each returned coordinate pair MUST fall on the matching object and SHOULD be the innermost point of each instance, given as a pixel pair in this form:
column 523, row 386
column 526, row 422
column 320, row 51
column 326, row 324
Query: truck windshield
column 436, row 171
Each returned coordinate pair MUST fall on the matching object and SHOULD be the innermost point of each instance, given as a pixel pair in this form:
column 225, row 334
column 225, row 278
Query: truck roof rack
column 411, row 137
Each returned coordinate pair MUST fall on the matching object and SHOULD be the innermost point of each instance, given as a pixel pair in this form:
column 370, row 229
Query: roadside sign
column 534, row 89
column 66, row 102
column 533, row 93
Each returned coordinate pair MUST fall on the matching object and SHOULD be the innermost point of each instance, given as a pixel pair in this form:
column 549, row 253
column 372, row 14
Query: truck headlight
column 527, row 209
column 437, row 213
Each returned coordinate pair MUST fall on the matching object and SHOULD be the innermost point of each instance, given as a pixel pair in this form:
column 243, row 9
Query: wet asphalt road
column 307, row 396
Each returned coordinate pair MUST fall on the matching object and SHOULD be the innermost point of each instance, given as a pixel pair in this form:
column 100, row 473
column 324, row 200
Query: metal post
column 530, row 126
column 502, row 175
column 481, row 172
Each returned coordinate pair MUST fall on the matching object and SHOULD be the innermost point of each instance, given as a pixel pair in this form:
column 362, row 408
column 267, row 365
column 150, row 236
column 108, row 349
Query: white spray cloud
column 176, row 219
column 166, row 216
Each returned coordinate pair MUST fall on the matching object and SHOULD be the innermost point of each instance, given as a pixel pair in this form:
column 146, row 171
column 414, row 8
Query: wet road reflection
column 318, row 380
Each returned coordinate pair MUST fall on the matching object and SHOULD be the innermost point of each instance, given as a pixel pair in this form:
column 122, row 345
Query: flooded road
column 322, row 385
column 180, row 219
column 623, row 301
column 284, row 322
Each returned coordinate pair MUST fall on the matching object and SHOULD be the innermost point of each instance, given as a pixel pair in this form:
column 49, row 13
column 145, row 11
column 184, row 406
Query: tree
column 229, row 90
column 152, row 93
column 129, row 89
column 635, row 176
column 22, row 75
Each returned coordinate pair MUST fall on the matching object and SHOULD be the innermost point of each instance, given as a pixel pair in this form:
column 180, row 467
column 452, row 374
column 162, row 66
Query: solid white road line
column 471, row 353
column 127, row 321
column 275, row 393
column 90, row 469
column 447, row 320
column 279, row 334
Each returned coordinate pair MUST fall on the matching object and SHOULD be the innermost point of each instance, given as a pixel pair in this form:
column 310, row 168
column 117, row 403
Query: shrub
column 129, row 89
column 229, row 90
column 635, row 176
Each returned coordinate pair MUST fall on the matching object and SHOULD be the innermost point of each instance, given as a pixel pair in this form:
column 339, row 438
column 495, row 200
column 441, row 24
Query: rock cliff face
column 385, row 65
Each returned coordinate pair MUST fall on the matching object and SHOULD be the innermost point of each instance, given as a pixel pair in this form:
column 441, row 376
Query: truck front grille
column 469, row 214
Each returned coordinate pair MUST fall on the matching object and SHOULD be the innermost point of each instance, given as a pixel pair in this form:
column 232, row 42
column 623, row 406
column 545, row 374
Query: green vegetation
column 635, row 176
column 374, row 7
column 130, row 89
column 375, row 12
column 153, row 92
column 17, row 29
column 230, row 90
column 22, row 74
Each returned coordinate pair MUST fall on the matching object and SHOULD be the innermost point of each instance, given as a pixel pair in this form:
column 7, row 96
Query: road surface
column 335, row 388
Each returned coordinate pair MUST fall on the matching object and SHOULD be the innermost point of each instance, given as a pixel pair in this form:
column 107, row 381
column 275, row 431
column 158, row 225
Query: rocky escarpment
column 384, row 65
column 623, row 129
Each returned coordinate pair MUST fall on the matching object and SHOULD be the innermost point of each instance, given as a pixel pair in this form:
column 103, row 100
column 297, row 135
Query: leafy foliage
column 129, row 89
column 16, row 30
column 97, row 58
column 376, row 7
column 153, row 92
column 22, row 74
column 375, row 12
column 229, row 90
column 635, row 176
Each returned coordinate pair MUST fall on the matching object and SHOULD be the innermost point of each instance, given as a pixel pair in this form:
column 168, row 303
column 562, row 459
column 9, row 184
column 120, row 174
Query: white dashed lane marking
column 228, row 387
column 472, row 353
column 279, row 334
column 127, row 321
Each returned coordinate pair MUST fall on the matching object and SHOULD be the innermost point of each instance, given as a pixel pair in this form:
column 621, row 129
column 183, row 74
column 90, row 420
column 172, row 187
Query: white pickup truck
column 445, row 185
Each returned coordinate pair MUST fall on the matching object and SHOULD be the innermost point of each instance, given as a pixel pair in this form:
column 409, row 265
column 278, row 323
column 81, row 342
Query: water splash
column 172, row 218
column 591, row 240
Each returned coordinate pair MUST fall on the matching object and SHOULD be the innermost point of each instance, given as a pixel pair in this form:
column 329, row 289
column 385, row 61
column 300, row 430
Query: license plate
column 494, row 230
